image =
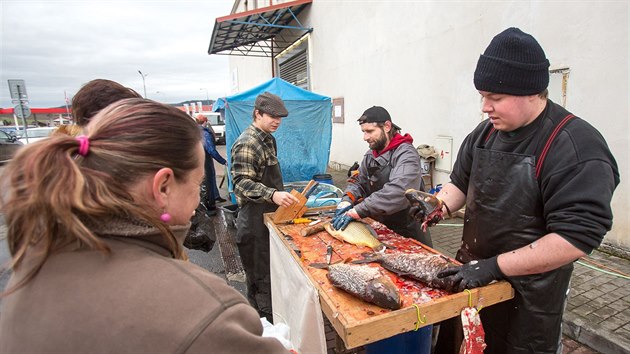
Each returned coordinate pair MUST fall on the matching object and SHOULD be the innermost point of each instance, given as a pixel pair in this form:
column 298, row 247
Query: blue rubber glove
column 341, row 222
column 342, row 207
column 471, row 275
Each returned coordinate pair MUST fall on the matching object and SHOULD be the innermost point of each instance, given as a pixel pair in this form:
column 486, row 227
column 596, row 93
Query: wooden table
column 357, row 322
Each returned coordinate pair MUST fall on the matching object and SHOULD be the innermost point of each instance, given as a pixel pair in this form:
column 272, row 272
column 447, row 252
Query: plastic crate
column 324, row 195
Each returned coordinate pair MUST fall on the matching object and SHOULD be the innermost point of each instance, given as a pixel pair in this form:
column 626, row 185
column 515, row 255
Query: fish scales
column 365, row 282
column 418, row 266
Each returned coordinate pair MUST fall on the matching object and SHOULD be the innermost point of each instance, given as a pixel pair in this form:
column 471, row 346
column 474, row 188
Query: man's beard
column 380, row 143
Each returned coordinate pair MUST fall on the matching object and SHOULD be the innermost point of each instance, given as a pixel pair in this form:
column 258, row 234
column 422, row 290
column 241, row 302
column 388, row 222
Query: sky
column 57, row 46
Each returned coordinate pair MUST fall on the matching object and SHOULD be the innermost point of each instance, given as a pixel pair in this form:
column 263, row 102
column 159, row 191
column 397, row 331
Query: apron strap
column 550, row 140
column 492, row 130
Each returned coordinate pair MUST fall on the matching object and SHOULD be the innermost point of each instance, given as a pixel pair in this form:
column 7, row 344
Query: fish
column 429, row 204
column 474, row 335
column 357, row 233
column 365, row 282
column 422, row 267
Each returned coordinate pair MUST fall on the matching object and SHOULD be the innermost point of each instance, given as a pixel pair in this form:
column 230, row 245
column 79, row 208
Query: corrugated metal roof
column 263, row 32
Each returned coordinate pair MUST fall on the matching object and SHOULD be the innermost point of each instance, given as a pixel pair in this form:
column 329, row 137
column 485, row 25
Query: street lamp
column 207, row 97
column 143, row 83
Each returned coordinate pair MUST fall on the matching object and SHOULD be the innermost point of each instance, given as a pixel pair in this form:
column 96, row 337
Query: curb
column 598, row 339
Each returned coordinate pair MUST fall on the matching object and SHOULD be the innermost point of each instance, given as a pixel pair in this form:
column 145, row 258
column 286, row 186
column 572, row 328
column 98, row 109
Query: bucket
column 325, row 178
column 418, row 342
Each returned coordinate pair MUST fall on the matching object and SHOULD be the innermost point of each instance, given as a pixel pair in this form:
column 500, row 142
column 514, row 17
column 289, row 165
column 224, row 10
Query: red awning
column 263, row 32
column 57, row 110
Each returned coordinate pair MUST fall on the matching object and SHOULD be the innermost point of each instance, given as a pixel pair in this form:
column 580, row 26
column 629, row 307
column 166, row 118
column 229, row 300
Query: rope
column 603, row 271
column 420, row 320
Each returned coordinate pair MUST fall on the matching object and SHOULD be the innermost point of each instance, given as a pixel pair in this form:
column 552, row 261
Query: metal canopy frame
column 263, row 32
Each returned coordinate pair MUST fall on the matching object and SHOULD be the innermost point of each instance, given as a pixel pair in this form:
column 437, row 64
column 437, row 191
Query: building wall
column 247, row 72
column 417, row 60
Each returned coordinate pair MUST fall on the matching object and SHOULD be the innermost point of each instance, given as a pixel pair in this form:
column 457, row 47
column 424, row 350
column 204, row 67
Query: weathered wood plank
column 359, row 323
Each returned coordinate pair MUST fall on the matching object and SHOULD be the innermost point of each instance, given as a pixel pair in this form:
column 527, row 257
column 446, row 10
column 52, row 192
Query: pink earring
column 165, row 217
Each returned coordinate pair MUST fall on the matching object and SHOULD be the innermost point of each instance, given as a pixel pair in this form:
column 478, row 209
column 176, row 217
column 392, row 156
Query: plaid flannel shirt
column 251, row 152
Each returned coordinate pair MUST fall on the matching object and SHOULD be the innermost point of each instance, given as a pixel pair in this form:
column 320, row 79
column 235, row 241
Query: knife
column 310, row 190
column 329, row 252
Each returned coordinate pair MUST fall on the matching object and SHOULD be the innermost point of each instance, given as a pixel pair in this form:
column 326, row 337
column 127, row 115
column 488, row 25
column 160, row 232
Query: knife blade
column 329, row 252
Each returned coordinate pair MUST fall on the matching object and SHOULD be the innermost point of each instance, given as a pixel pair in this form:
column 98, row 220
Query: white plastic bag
column 279, row 331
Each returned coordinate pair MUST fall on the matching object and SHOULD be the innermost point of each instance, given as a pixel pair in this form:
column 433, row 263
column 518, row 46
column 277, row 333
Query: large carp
column 364, row 282
column 418, row 266
column 357, row 233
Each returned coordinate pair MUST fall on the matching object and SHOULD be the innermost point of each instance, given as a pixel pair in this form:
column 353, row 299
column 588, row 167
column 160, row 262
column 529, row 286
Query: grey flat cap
column 271, row 104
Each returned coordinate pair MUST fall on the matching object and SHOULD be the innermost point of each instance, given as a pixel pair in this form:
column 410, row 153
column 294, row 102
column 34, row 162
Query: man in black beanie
column 537, row 183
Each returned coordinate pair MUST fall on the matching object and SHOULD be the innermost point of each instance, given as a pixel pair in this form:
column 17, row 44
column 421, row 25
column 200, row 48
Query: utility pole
column 207, row 97
column 143, row 82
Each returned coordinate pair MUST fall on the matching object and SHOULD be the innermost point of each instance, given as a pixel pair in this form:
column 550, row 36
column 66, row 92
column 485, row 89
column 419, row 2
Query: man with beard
column 388, row 169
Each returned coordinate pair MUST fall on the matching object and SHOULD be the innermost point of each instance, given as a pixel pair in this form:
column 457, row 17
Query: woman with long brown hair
column 95, row 229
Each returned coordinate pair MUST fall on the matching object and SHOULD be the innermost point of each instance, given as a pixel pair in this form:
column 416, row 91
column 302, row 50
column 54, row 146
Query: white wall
column 249, row 72
column 417, row 60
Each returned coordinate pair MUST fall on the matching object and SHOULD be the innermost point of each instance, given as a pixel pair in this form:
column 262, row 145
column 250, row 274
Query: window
column 293, row 65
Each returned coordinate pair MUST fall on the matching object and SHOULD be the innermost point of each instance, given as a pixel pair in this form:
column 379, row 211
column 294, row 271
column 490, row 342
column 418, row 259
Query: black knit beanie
column 514, row 64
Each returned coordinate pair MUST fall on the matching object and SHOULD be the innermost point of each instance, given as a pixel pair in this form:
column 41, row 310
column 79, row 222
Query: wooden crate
column 359, row 323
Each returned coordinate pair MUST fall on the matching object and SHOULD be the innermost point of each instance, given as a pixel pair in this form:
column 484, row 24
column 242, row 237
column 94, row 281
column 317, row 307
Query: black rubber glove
column 471, row 275
column 420, row 214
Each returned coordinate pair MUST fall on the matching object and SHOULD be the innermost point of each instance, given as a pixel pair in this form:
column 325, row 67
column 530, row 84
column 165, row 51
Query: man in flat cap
column 537, row 183
column 258, row 187
column 388, row 169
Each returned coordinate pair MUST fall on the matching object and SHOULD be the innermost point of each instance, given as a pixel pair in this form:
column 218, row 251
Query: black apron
column 504, row 211
column 253, row 246
column 400, row 222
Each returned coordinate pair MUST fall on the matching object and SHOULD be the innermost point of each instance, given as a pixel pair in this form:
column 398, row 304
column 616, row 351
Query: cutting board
column 284, row 214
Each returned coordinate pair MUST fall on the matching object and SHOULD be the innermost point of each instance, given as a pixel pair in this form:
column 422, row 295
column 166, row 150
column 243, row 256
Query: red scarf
column 396, row 141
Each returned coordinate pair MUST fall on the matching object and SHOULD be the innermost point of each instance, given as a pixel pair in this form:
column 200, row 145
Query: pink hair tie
column 84, row 145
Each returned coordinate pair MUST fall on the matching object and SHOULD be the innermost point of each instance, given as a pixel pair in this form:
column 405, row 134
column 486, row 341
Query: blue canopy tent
column 303, row 138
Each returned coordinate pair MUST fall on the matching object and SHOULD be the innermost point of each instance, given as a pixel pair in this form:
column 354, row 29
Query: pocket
column 271, row 160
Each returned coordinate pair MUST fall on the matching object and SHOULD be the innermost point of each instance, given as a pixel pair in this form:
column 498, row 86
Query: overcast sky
column 57, row 46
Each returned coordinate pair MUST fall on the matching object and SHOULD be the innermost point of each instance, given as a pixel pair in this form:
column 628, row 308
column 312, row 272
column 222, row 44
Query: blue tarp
column 303, row 138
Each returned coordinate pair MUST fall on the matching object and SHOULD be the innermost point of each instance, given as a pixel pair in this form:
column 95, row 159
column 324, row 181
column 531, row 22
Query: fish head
column 428, row 208
column 425, row 201
column 382, row 292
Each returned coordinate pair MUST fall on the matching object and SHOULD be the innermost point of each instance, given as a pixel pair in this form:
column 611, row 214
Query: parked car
column 36, row 134
column 9, row 145
column 218, row 125
column 12, row 130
